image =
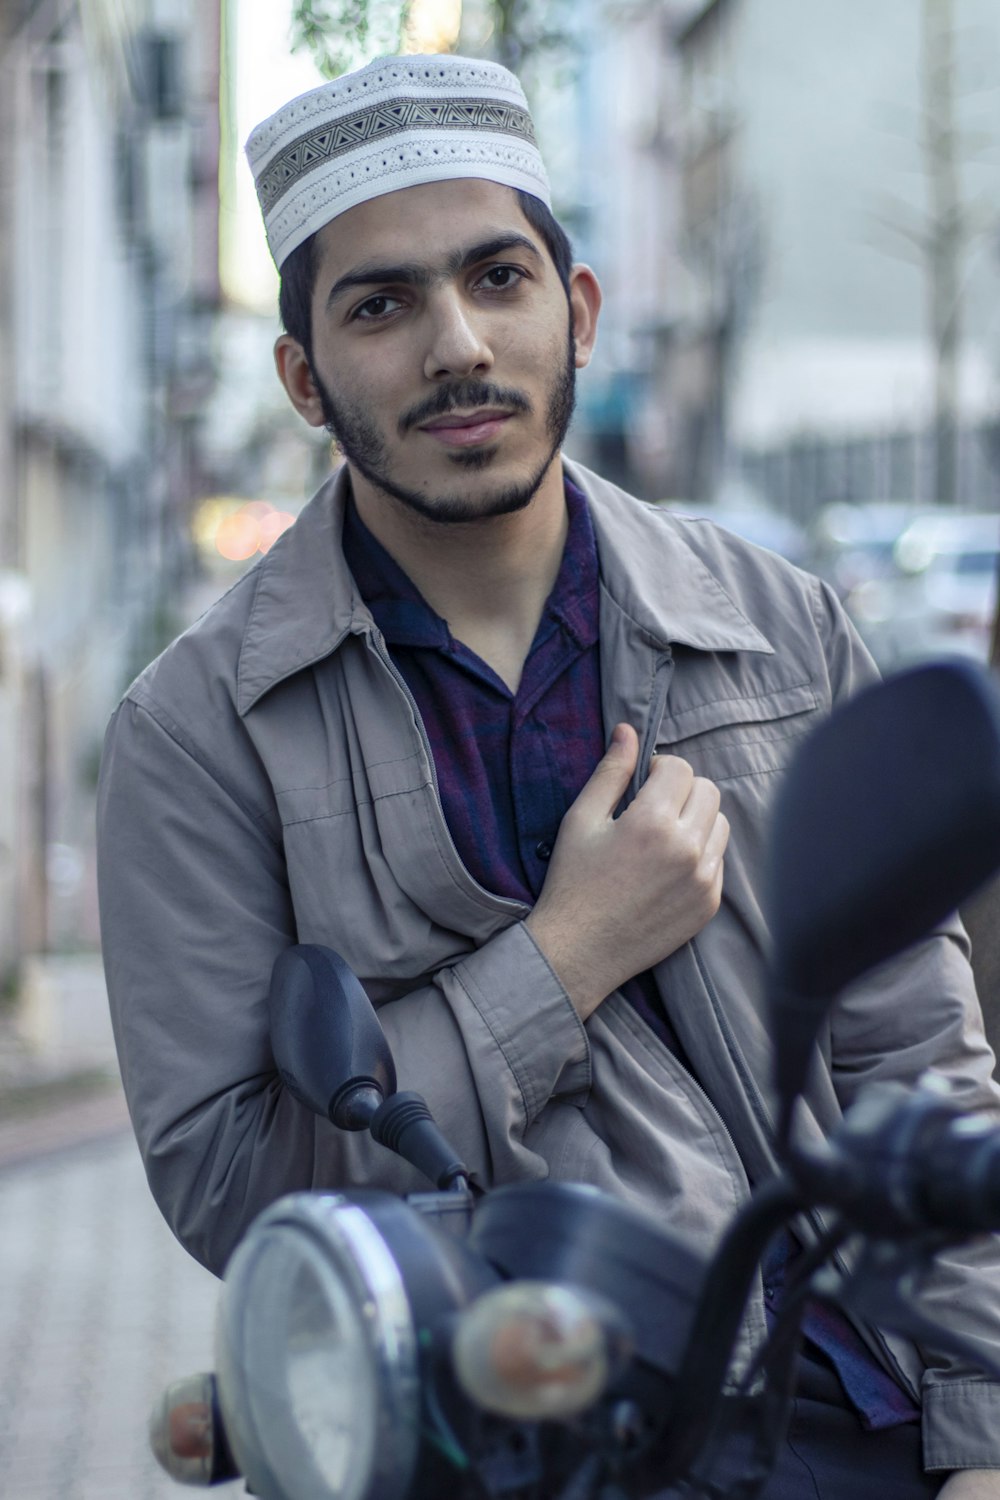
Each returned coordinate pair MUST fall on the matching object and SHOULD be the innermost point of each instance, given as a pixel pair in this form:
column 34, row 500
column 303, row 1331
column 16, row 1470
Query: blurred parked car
column 941, row 595
column 852, row 544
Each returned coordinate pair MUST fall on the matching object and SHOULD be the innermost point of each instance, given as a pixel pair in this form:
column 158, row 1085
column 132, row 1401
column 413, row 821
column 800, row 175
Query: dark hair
column 298, row 274
column 545, row 224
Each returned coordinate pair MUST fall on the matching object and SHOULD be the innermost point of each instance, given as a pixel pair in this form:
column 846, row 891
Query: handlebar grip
column 960, row 1174
column 907, row 1159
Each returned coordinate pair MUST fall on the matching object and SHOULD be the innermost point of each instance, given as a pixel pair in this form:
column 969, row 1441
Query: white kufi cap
column 398, row 122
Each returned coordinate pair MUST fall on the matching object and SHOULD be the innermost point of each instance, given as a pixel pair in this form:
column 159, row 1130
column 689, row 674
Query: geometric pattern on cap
column 377, row 121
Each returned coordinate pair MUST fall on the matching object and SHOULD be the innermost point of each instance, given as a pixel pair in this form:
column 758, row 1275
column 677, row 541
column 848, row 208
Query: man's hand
column 623, row 893
column 971, row 1484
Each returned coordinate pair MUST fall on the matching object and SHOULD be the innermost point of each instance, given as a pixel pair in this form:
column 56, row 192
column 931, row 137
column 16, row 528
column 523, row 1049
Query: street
column 100, row 1309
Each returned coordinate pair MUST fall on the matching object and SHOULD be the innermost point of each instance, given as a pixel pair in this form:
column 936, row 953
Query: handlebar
column 908, row 1160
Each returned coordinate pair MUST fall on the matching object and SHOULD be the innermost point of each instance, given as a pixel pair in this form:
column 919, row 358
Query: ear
column 585, row 306
column 295, row 375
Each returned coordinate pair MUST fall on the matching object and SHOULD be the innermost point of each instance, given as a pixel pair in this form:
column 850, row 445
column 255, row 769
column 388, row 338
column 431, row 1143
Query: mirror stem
column 717, row 1320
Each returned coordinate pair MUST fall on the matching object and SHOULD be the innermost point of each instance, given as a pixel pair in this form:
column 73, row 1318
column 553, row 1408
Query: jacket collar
column 305, row 600
column 656, row 577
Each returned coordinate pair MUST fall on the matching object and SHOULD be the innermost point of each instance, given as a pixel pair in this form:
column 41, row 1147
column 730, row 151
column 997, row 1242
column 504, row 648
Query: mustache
column 463, row 395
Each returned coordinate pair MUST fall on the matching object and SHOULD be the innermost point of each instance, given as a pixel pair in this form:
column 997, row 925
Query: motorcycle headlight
column 316, row 1356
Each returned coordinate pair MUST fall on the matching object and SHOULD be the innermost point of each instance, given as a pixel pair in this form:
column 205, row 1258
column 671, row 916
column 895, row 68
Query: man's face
column 444, row 360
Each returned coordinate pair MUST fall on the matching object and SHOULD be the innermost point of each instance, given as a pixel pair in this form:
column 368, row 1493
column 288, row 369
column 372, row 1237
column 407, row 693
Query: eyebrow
column 417, row 273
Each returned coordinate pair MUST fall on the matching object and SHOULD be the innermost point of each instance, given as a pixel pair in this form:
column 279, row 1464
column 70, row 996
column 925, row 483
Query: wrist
column 584, row 985
column 971, row 1484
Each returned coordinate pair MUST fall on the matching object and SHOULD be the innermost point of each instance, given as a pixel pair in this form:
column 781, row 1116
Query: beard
column 364, row 446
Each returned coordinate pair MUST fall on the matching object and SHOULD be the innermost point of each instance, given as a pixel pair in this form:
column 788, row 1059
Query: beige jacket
column 267, row 780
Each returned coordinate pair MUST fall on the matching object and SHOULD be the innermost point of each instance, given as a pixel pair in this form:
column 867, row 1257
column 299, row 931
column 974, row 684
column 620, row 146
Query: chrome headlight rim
column 349, row 1242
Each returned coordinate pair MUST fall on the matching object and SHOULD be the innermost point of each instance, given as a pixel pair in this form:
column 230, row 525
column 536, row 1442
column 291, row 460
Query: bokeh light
column 228, row 527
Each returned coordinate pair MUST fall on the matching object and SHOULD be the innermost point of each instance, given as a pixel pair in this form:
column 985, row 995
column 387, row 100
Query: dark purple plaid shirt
column 509, row 765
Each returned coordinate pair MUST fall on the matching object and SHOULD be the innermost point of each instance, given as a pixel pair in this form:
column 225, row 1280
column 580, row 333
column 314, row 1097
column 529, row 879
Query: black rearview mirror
column 887, row 819
column 327, row 1041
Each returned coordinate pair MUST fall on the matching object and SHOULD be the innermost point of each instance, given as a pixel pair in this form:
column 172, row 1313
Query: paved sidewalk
column 59, row 1024
column 100, row 1308
column 59, row 1083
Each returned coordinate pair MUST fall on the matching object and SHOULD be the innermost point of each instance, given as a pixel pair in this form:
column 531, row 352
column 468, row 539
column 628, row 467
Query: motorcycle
column 543, row 1341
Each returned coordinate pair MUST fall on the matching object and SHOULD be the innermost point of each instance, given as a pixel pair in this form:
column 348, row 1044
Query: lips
column 465, row 429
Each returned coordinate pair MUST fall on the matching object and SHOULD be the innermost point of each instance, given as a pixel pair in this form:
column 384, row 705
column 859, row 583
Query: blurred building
column 702, row 274
column 108, row 286
column 628, row 226
column 814, row 229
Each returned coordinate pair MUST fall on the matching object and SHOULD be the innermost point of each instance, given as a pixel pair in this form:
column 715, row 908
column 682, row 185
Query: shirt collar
column 398, row 608
column 406, row 619
column 306, row 600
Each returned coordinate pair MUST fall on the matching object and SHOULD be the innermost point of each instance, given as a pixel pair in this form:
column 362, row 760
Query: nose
column 457, row 344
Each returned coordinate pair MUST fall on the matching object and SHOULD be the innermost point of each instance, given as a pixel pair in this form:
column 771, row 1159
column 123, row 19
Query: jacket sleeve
column 195, row 908
column 919, row 1012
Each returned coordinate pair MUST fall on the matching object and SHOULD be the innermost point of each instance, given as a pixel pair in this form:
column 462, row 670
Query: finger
column 712, row 865
column 701, row 805
column 668, row 786
column 611, row 776
column 718, row 839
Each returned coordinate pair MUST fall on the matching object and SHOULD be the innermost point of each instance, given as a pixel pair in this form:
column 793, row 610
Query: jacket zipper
column 657, row 705
column 869, row 1333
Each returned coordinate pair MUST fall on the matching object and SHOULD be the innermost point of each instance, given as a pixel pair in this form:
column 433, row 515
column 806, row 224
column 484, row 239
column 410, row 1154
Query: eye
column 374, row 308
column 501, row 278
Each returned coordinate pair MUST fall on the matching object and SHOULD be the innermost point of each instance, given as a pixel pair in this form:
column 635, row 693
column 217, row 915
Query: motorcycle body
column 542, row 1339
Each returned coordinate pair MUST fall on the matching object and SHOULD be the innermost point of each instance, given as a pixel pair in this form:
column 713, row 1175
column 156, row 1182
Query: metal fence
column 811, row 470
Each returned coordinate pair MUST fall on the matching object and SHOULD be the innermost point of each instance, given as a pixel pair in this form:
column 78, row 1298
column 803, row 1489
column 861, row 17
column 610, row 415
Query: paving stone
column 100, row 1309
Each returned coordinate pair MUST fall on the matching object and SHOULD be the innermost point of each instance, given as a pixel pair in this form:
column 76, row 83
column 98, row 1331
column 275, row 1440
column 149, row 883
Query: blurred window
column 967, row 563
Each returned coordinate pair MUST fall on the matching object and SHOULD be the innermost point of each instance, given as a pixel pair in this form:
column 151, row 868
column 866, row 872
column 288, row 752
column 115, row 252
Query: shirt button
column 543, row 849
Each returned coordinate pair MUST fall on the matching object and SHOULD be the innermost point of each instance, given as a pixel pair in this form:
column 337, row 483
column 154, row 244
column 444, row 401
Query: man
column 493, row 730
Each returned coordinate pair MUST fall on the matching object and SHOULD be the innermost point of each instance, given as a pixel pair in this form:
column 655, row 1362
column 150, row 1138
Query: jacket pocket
column 740, row 735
